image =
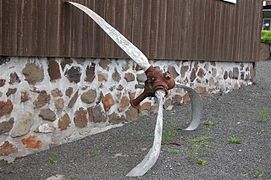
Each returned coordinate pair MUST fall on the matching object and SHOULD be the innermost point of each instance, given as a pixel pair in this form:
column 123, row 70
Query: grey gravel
column 112, row 154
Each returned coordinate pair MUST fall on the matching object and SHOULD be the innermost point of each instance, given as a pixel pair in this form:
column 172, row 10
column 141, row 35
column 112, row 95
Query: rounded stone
column 141, row 77
column 56, row 93
column 108, row 101
column 11, row 91
column 7, row 148
column 64, row 122
column 193, row 75
column 73, row 74
column 124, row 103
column 90, row 73
column 69, row 91
column 59, row 104
column 6, row 126
column 173, row 72
column 2, row 82
column 53, row 69
column 129, row 77
column 14, row 78
column 32, row 142
column 116, row 76
column 80, row 118
column 33, row 73
column 22, row 125
column 5, row 107
column 24, row 96
column 42, row 99
column 89, row 96
column 47, row 114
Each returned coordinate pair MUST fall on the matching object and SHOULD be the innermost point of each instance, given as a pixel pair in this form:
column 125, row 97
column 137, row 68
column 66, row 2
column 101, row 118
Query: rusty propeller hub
column 156, row 80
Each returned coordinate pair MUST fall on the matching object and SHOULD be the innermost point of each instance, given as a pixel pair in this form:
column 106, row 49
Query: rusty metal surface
column 156, row 80
column 162, row 29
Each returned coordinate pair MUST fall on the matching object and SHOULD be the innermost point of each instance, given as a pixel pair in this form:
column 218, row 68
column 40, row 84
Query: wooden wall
column 163, row 29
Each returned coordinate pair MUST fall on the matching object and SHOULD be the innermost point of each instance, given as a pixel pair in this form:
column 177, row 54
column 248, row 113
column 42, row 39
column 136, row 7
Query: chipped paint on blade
column 121, row 41
column 196, row 107
column 152, row 156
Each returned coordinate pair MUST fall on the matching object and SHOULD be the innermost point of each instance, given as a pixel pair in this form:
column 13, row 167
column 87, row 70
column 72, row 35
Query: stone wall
column 47, row 102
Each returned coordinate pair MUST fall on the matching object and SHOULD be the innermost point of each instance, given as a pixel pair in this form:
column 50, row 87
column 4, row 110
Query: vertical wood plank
column 99, row 34
column 62, row 28
column 1, row 9
column 231, row 45
column 178, row 20
column 137, row 23
column 162, row 30
column 27, row 28
column 154, row 29
column 38, row 28
column 88, row 32
column 110, row 10
column 216, row 40
column 201, row 29
column 127, row 22
column 240, row 30
column 169, row 28
column 20, row 48
column 236, row 33
column 67, row 18
column 209, row 24
column 189, row 30
column 52, row 27
column 180, row 27
column 225, row 31
column 252, row 32
column 9, row 32
column 248, row 27
column 146, row 18
column 258, row 25
column 76, row 34
column 245, row 41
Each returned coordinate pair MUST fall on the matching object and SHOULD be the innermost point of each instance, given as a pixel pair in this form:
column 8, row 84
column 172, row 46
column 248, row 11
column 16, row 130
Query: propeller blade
column 121, row 41
column 197, row 107
column 152, row 156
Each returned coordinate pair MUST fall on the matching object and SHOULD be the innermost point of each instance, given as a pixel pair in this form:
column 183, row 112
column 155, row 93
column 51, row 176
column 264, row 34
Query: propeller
column 157, row 85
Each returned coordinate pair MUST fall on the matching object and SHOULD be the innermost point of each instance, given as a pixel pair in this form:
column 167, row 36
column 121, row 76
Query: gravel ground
column 202, row 154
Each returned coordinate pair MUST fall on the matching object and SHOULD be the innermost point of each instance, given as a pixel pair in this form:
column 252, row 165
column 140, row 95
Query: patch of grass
column 94, row 153
column 202, row 139
column 259, row 173
column 263, row 131
column 234, row 140
column 210, row 123
column 172, row 151
column 169, row 134
column 263, row 115
column 53, row 158
column 202, row 162
column 199, row 146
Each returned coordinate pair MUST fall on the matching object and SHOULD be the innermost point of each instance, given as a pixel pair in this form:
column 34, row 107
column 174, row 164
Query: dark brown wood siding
column 163, row 29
